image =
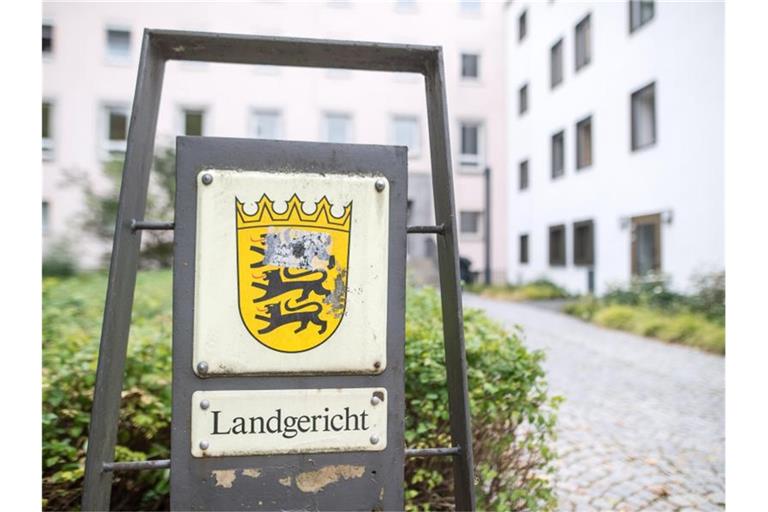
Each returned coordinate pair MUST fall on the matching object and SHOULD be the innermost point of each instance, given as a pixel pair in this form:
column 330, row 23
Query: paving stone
column 642, row 427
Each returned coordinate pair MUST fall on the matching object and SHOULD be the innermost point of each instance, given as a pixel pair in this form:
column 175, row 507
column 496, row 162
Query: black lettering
column 278, row 418
column 239, row 423
column 290, row 424
column 314, row 422
column 333, row 422
column 326, row 420
column 363, row 415
column 302, row 420
column 216, row 424
column 261, row 424
column 348, row 417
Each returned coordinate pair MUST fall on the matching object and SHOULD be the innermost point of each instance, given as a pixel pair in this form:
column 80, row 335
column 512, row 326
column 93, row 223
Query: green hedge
column 648, row 307
column 513, row 417
column 541, row 289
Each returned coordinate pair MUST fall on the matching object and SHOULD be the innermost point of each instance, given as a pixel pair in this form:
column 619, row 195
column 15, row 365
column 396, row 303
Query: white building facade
column 90, row 59
column 615, row 126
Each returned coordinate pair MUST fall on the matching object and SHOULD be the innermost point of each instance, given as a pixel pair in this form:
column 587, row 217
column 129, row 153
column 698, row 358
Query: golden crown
column 294, row 215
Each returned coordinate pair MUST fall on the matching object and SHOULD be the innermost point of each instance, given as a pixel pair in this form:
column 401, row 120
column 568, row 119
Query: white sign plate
column 229, row 423
column 291, row 273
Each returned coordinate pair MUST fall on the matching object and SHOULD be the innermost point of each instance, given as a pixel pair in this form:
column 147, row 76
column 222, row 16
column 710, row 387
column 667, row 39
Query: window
column 584, row 143
column 522, row 100
column 47, row 39
column 583, row 42
column 640, row 13
column 116, row 130
column 469, row 222
column 522, row 25
column 644, row 117
column 523, row 169
column 46, row 218
column 118, row 44
column 557, row 245
column 646, row 244
column 265, row 124
column 405, row 5
column 405, row 132
column 471, row 141
column 47, row 131
column 583, row 243
column 523, row 248
column 338, row 128
column 558, row 154
column 470, row 66
column 470, row 6
column 556, row 64
column 194, row 122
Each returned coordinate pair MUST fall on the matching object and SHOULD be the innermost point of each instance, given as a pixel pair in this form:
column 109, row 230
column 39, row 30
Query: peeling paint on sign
column 252, row 472
column 295, row 248
column 316, row 481
column 224, row 477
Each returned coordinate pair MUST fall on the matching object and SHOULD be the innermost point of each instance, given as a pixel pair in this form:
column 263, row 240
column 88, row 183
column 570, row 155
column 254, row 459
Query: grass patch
column 535, row 290
column 687, row 328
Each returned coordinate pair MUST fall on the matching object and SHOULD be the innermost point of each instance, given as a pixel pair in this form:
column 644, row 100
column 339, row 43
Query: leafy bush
column 72, row 312
column 513, row 416
column 59, row 260
column 709, row 296
column 651, row 291
column 584, row 308
column 541, row 289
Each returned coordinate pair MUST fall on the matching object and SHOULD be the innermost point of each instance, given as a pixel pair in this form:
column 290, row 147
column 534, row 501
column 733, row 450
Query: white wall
column 79, row 80
column 681, row 49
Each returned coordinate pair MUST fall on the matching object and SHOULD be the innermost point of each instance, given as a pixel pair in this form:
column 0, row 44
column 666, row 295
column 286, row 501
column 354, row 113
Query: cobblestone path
column 642, row 426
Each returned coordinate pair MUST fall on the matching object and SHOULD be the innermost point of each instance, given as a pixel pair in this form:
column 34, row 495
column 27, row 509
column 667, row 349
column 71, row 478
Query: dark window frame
column 556, row 49
column 524, row 248
column 634, row 144
column 192, row 112
column 522, row 99
column 557, row 258
column 635, row 25
column 522, row 26
column 580, row 164
column 477, row 215
column 556, row 173
column 584, row 256
column 523, row 174
column 586, row 22
column 47, row 48
column 476, row 56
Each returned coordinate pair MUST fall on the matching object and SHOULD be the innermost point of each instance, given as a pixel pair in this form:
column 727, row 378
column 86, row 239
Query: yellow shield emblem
column 292, row 272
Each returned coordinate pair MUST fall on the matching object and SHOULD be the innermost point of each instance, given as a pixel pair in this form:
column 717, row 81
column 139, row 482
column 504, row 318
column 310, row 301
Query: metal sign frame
column 160, row 46
column 193, row 484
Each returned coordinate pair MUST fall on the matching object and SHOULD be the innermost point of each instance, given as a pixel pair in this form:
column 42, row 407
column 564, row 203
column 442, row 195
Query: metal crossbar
column 438, row 230
column 143, row 465
column 151, row 225
column 160, row 46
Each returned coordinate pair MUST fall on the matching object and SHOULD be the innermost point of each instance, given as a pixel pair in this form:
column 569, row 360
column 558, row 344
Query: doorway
column 646, row 244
